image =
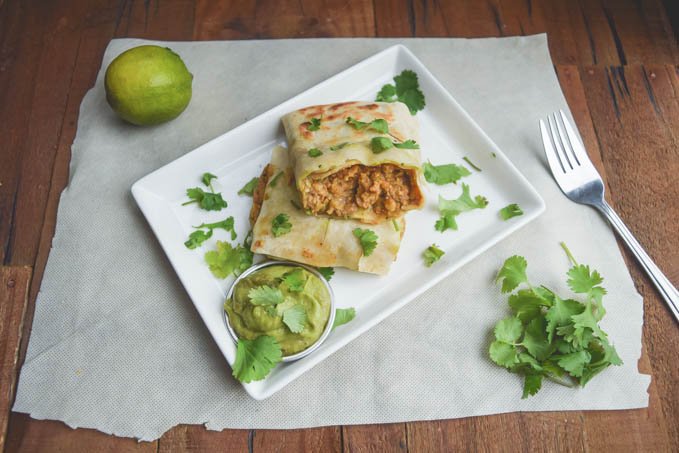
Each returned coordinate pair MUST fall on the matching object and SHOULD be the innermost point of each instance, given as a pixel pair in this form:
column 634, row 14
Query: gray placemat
column 117, row 345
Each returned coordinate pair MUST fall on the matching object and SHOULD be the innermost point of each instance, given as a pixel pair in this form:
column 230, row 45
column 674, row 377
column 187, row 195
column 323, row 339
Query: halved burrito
column 282, row 229
column 356, row 160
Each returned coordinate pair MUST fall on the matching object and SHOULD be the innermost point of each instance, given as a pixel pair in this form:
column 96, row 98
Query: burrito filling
column 386, row 189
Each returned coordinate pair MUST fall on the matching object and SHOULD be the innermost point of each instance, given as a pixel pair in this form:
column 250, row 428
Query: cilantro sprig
column 227, row 260
column 552, row 337
column 444, row 174
column 406, row 89
column 450, row 209
column 210, row 201
column 199, row 236
column 368, row 240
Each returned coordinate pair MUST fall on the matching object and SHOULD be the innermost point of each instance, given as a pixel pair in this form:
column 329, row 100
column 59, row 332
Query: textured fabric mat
column 117, row 345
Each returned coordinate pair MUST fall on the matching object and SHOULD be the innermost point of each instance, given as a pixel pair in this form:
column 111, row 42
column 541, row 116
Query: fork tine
column 552, row 156
column 576, row 145
column 565, row 141
column 558, row 145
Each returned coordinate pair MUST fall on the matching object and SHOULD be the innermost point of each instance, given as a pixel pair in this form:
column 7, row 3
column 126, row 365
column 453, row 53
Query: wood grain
column 14, row 283
column 617, row 64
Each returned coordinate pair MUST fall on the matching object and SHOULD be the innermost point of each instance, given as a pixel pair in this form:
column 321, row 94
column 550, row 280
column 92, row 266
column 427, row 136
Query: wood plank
column 36, row 156
column 14, row 283
column 269, row 19
column 19, row 57
column 197, row 438
column 28, row 435
column 639, row 151
column 375, row 438
column 313, row 439
column 98, row 25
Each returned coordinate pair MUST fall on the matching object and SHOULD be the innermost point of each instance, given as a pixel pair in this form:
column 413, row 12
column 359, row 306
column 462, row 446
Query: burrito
column 356, row 160
column 313, row 240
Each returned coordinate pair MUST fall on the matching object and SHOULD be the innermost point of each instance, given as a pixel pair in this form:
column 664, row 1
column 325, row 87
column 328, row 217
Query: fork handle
column 665, row 287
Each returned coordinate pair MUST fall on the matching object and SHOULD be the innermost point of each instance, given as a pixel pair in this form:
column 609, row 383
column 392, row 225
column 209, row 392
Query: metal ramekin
column 328, row 326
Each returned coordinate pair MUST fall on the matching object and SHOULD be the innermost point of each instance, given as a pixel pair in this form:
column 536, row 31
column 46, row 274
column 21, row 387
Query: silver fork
column 579, row 181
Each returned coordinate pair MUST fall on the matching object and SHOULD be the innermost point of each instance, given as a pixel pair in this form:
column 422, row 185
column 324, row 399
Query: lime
column 148, row 85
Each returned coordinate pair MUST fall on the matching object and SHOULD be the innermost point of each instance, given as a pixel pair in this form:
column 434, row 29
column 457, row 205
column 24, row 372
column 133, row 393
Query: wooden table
column 617, row 62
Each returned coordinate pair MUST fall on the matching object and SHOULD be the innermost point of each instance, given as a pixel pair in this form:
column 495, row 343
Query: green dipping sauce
column 251, row 321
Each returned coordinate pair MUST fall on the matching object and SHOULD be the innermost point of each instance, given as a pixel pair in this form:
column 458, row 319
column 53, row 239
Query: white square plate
column 447, row 135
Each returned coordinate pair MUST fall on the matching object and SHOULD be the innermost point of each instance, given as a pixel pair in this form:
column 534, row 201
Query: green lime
column 148, row 85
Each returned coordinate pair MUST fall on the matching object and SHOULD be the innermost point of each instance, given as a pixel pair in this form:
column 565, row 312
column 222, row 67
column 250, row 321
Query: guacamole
column 250, row 320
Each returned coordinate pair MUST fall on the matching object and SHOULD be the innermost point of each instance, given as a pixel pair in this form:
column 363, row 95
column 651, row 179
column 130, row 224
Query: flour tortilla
column 317, row 241
column 356, row 149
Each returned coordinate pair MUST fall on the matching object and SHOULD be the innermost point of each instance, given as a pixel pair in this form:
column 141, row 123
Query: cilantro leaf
column 343, row 316
column 560, row 313
column 249, row 187
column 535, row 339
column 256, row 358
column 207, row 180
column 314, row 124
column 295, row 318
column 503, row 354
column 206, row 200
column 387, row 94
column 226, row 224
column 581, row 280
column 379, row 125
column 406, row 89
column 197, row 238
column 512, row 273
column 432, row 254
column 587, row 320
column 449, row 209
column 408, row 144
column 275, row 179
column 444, row 174
column 213, row 202
column 509, row 211
column 526, row 304
column 227, row 260
column 295, row 280
column 210, row 201
column 265, row 295
column 326, row 272
column 368, row 240
column 531, row 385
column 574, row 362
column 508, row 330
column 315, row 152
column 380, row 144
column 281, row 225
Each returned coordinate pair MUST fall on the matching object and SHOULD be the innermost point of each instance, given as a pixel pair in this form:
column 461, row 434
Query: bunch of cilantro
column 548, row 336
